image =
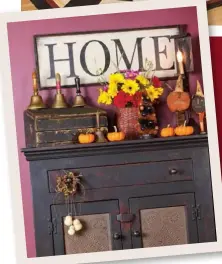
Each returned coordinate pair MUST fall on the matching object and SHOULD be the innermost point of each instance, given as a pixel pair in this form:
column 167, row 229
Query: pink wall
column 22, row 64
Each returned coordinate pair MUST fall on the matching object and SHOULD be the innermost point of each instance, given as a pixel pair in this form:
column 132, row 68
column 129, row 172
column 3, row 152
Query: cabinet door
column 163, row 220
column 101, row 231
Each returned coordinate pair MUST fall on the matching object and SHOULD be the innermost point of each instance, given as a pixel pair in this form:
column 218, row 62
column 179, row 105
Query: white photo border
column 10, row 130
column 215, row 31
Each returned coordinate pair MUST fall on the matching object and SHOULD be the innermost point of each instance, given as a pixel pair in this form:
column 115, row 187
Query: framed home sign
column 92, row 55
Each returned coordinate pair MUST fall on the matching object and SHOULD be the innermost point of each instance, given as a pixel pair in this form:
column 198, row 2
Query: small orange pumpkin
column 184, row 130
column 167, row 132
column 86, row 138
column 116, row 136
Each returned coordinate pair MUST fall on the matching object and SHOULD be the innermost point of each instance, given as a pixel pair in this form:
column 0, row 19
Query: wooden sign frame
column 44, row 46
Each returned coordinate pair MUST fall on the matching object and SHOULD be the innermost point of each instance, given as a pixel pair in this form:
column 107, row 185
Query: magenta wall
column 22, row 65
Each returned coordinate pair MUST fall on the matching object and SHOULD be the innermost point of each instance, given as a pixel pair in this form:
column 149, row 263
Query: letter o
column 83, row 57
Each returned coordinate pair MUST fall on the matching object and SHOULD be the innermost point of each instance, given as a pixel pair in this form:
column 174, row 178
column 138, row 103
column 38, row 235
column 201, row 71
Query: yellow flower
column 153, row 93
column 160, row 90
column 104, row 98
column 112, row 89
column 141, row 79
column 130, row 87
column 116, row 78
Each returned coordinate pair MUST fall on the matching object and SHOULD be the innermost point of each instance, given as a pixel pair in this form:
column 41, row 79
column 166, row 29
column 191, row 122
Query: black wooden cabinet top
column 123, row 179
column 77, row 150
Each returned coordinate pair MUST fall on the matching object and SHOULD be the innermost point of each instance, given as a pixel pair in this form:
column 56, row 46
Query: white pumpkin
column 71, row 230
column 76, row 222
column 68, row 220
column 78, row 227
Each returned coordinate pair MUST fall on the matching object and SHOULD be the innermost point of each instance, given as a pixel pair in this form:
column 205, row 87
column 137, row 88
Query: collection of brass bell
column 59, row 100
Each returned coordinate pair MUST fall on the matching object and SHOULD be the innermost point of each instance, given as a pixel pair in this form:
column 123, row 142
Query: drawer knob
column 136, row 233
column 116, row 236
column 173, row 171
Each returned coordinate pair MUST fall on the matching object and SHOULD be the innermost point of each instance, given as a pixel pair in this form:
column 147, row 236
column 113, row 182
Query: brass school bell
column 79, row 101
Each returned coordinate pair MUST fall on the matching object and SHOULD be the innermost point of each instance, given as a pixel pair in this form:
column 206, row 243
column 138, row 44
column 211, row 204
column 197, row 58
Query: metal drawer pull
column 173, row 171
column 136, row 233
column 116, row 236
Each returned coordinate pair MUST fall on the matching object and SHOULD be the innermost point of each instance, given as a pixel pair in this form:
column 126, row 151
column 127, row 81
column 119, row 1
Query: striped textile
column 47, row 4
column 57, row 3
column 211, row 4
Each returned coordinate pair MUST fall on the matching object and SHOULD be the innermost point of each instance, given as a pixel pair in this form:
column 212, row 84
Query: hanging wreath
column 68, row 183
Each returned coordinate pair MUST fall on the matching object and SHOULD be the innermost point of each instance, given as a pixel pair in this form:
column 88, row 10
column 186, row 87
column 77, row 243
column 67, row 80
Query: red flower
column 122, row 99
column 156, row 82
column 137, row 99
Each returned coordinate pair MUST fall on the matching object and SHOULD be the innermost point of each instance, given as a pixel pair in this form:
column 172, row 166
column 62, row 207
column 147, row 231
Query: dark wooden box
column 51, row 127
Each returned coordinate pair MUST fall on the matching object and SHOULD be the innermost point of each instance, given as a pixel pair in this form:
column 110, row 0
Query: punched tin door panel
column 100, row 232
column 163, row 220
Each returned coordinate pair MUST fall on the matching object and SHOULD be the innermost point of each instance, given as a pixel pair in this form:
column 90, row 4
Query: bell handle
column 77, row 82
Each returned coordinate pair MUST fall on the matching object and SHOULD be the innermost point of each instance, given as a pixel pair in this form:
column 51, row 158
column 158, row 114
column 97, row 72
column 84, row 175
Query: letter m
column 128, row 62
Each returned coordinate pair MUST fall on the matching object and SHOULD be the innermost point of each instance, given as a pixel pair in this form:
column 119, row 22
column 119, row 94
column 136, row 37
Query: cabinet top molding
column 78, row 150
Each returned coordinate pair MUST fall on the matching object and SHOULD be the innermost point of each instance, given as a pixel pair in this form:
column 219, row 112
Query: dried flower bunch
column 126, row 87
column 68, row 183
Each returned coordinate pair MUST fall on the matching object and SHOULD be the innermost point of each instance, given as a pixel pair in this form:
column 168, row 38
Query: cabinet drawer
column 130, row 174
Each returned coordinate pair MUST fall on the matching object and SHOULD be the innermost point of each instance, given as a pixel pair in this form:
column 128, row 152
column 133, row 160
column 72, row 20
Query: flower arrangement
column 126, row 87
